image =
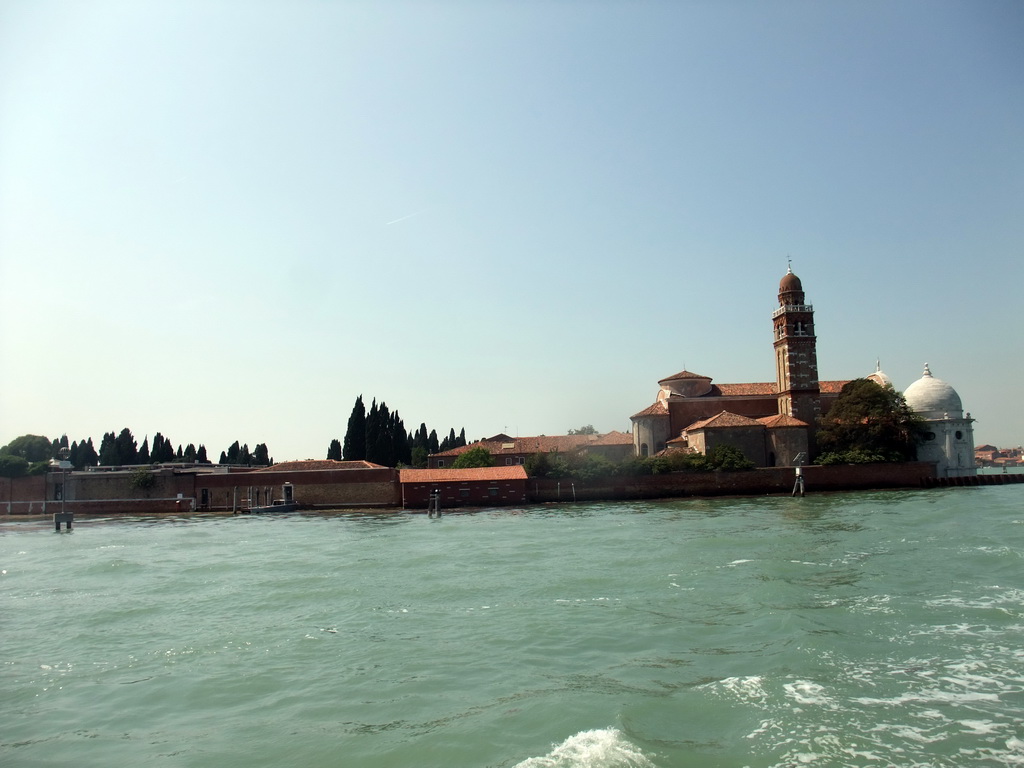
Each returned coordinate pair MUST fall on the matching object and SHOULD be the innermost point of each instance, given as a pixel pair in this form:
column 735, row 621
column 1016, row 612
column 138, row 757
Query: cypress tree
column 108, row 451
column 128, row 452
column 261, row 455
column 201, row 455
column 334, row 451
column 144, row 452
column 87, row 454
column 354, row 448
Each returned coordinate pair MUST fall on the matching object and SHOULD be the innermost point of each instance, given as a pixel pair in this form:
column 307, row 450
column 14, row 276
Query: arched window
column 643, row 449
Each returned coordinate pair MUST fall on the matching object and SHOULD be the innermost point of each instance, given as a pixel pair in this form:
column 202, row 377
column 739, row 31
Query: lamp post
column 64, row 465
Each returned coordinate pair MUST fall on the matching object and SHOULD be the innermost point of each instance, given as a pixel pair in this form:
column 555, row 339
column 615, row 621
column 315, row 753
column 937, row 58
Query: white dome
column 879, row 376
column 933, row 398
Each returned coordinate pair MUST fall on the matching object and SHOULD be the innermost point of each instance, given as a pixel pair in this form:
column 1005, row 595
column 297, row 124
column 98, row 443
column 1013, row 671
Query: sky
column 226, row 220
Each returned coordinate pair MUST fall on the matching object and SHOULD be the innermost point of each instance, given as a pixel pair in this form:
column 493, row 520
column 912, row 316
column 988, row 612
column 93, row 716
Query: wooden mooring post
column 434, row 504
column 63, row 517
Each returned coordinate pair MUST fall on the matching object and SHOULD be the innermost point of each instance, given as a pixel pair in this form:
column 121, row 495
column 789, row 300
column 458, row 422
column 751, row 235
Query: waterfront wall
column 325, row 488
column 766, row 480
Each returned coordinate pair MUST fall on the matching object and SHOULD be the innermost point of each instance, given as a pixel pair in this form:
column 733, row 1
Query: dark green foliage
column 108, row 450
column 584, row 430
column 201, row 455
column 143, row 479
column 853, row 456
column 83, row 455
column 419, row 457
column 189, row 454
column 354, row 448
column 870, row 420
column 261, row 455
column 162, row 451
column 334, row 450
column 239, row 455
column 12, row 465
column 127, row 451
column 478, row 456
column 144, row 452
column 576, row 466
column 30, row 447
column 432, row 444
column 729, row 459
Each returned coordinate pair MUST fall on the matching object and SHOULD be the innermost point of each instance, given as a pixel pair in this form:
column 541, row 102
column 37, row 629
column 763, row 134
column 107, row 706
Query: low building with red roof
column 477, row 487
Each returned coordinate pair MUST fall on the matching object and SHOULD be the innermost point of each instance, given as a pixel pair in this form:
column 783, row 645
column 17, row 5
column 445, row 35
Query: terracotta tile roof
column 684, row 374
column 540, row 444
column 782, row 420
column 831, row 387
column 658, row 409
column 723, row 420
column 614, row 438
column 321, row 464
column 478, row 474
column 740, row 390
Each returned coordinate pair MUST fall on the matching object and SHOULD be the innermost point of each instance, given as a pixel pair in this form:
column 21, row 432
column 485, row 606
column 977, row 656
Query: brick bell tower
column 796, row 357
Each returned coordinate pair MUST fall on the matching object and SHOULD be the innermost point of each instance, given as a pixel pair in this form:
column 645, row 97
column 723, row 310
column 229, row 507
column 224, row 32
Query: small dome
column 686, row 384
column 879, row 376
column 790, row 282
column 933, row 398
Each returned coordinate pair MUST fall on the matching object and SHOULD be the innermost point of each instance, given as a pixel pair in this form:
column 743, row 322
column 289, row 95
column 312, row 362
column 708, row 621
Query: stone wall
column 761, row 481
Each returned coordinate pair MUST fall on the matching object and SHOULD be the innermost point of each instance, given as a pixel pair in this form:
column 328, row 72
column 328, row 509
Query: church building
column 771, row 422
column 774, row 423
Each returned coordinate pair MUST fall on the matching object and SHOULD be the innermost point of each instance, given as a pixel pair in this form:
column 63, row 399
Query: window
column 959, row 435
column 508, row 460
column 440, row 463
column 492, row 491
column 929, row 436
column 464, row 493
column 522, row 460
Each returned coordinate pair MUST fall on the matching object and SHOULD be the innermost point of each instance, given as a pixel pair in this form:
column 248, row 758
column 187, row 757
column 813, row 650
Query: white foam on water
column 603, row 748
column 806, row 692
column 748, row 689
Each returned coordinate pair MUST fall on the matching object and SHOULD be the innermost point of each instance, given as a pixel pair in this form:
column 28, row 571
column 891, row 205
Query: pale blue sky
column 225, row 220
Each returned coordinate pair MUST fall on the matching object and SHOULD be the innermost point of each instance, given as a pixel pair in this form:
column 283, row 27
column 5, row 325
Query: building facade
column 784, row 413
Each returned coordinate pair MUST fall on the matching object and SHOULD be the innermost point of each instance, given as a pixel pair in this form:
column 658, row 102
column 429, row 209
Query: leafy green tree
column 143, row 479
column 12, row 465
column 584, row 430
column 870, row 420
column 728, row 458
column 354, row 447
column 419, row 457
column 30, row 447
column 477, row 456
column 537, row 465
column 334, row 450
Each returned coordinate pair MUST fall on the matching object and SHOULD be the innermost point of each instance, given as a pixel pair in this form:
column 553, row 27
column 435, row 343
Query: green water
column 850, row 629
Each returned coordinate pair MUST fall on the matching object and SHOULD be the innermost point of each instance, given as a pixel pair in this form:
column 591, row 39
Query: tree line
column 379, row 436
column 31, row 454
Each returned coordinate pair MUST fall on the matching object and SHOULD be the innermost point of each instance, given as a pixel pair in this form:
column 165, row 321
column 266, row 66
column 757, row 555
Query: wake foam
column 605, row 748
